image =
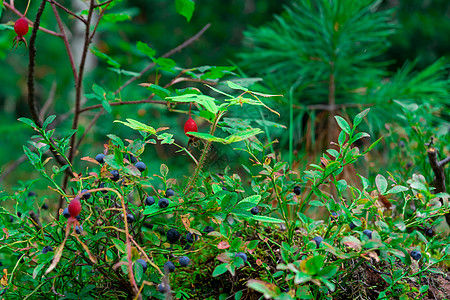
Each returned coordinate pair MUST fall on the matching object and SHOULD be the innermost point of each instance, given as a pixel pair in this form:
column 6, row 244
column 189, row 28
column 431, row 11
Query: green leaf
column 343, row 124
column 106, row 105
column 341, row 138
column 238, row 295
column 116, row 140
column 145, row 49
column 48, row 121
column 166, row 64
column 37, row 270
column 423, row 289
column 269, row 290
column 252, row 199
column 116, row 17
column 267, row 219
column 185, row 8
column 138, row 126
column 228, row 202
column 156, row 89
column 28, row 122
column 138, row 272
column 235, row 86
column 314, row 264
column 220, row 269
column 381, row 183
column 358, row 118
column 164, row 170
column 397, row 189
column 120, row 245
column 108, row 59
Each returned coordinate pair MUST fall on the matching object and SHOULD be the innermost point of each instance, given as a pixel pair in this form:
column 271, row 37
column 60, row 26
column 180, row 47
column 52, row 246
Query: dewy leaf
column 343, row 124
column 185, row 8
column 381, row 183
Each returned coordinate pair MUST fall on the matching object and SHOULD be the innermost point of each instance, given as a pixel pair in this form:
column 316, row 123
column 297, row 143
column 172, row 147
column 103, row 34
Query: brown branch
column 52, row 2
column 13, row 9
column 439, row 173
column 124, row 103
column 167, row 54
column 79, row 82
column 103, row 3
column 444, row 161
column 98, row 21
column 66, row 41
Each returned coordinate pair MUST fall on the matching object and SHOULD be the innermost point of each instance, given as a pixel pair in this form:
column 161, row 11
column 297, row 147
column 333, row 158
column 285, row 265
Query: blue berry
column 162, row 288
column 352, row 225
column 318, row 240
column 115, row 175
column 143, row 263
column 170, row 193
column 140, row 166
column 429, row 232
column 208, row 229
column 242, row 255
column 173, row 235
column 45, row 206
column 163, row 202
column 368, row 233
column 149, row 200
column 191, row 237
column 47, row 249
column 31, row 194
column 100, row 158
column 131, row 158
column 255, row 210
column 416, row 255
column 184, row 261
column 66, row 213
column 297, row 190
column 169, row 267
column 79, row 229
column 130, row 218
column 87, row 195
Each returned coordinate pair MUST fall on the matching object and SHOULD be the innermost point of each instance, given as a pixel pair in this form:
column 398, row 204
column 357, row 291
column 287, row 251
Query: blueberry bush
column 120, row 220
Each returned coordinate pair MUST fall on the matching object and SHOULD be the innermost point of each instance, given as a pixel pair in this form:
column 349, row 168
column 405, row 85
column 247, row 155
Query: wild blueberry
column 169, row 267
column 208, row 229
column 130, row 218
column 47, row 249
column 318, row 240
column 416, row 255
column 163, row 202
column 148, row 225
column 352, row 225
column 87, row 195
column 401, row 144
column 100, row 158
column 45, row 206
column 241, row 255
column 334, row 215
column 368, row 233
column 429, row 232
column 408, row 164
column 102, row 185
column 191, row 237
column 184, row 261
column 79, row 229
column 31, row 194
column 255, row 210
column 173, row 235
column 140, row 166
column 115, row 175
column 162, row 288
column 143, row 263
column 19, row 214
column 78, row 217
column 149, row 200
column 11, row 219
column 187, row 246
column 66, row 213
column 131, row 158
column 170, row 193
column 297, row 190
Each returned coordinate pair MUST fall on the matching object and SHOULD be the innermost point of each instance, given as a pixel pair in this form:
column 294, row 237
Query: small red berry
column 21, row 27
column 75, row 207
column 190, row 125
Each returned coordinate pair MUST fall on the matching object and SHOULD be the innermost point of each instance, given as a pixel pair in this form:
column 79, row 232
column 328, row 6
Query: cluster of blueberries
column 100, row 158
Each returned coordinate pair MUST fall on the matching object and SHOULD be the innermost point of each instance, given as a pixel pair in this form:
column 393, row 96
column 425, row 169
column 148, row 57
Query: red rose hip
column 190, row 125
column 21, row 27
column 75, row 207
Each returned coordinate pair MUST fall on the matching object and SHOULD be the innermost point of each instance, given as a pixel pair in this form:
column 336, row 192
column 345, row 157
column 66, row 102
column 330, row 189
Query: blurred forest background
column 422, row 35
